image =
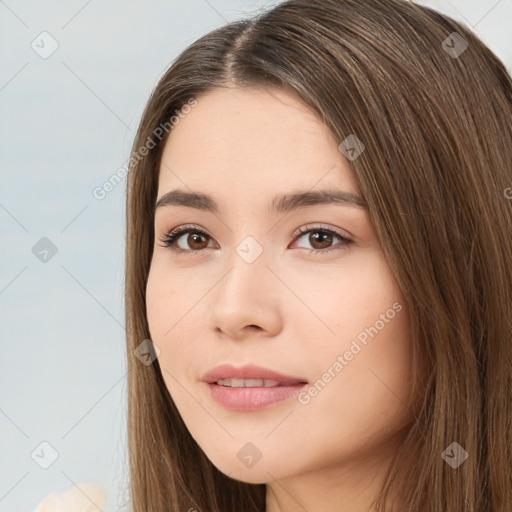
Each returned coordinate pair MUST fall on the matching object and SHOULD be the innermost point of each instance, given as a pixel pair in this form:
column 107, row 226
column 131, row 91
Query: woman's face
column 246, row 292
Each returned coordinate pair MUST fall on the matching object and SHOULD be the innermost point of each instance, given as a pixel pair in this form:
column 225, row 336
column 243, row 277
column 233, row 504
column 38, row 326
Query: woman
column 319, row 268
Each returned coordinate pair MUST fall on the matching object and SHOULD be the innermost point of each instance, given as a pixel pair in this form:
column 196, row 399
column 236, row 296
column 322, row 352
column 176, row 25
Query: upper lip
column 228, row 371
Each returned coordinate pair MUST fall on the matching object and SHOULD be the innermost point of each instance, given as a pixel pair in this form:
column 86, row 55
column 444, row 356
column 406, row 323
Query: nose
column 246, row 301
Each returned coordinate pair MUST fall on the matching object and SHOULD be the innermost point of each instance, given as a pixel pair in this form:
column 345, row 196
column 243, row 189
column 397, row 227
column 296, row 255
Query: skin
column 290, row 310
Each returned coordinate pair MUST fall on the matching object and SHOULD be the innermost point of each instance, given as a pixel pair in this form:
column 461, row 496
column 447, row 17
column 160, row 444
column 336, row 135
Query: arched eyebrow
column 283, row 203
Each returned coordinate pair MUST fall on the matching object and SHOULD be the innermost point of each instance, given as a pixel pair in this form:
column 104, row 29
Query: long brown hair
column 435, row 117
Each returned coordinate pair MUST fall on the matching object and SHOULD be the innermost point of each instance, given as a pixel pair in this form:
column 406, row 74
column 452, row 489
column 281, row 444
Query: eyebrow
column 280, row 204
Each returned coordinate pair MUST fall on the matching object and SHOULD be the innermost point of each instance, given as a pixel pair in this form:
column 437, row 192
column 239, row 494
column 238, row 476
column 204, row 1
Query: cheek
column 346, row 298
column 167, row 299
column 368, row 319
column 170, row 305
column 366, row 401
column 157, row 302
column 161, row 305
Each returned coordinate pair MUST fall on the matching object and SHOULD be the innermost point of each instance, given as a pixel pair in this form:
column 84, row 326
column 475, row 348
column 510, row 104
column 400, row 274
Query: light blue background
column 66, row 125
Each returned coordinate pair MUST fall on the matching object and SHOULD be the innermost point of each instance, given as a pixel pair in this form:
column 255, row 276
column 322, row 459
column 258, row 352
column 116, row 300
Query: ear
column 85, row 497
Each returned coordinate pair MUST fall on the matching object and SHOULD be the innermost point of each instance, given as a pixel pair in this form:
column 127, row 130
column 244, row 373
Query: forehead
column 246, row 142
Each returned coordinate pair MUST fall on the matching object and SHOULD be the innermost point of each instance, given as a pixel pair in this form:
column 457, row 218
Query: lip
column 228, row 371
column 253, row 398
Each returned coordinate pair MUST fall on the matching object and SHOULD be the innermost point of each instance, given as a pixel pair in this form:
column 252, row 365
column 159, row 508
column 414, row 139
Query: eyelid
column 182, row 228
column 321, row 227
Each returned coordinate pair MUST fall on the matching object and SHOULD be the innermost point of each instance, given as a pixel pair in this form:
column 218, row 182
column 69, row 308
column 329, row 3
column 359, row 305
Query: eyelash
column 176, row 233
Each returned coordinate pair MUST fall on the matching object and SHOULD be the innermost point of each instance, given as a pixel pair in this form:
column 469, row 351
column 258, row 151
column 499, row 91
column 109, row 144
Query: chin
column 235, row 469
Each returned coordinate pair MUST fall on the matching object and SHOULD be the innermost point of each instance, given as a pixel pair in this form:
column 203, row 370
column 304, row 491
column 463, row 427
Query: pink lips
column 227, row 371
column 251, row 398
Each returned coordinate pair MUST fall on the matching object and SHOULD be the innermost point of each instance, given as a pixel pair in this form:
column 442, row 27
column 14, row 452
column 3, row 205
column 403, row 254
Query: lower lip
column 250, row 399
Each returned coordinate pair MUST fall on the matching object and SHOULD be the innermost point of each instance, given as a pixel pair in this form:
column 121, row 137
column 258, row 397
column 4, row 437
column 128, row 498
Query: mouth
column 249, row 376
column 249, row 383
column 250, row 387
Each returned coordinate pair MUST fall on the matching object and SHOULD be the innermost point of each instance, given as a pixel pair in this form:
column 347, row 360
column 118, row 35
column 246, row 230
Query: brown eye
column 195, row 241
column 320, row 239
